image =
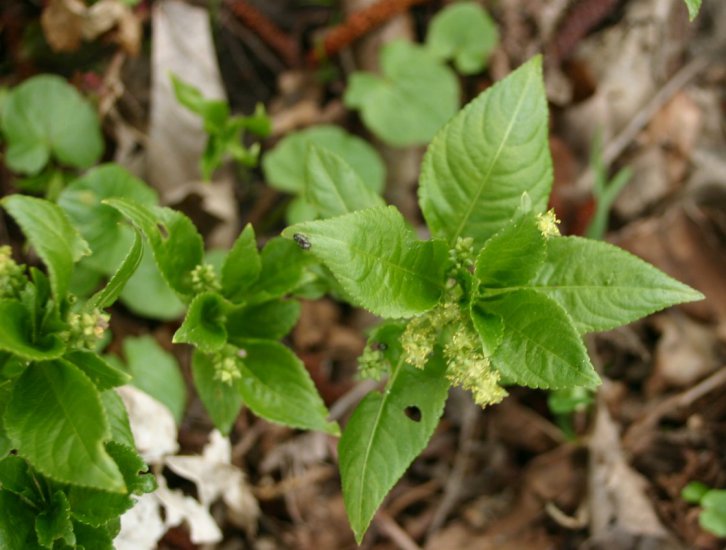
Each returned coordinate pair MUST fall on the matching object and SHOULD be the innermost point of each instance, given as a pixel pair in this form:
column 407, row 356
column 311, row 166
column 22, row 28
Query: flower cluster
column 86, row 329
column 12, row 275
column 547, row 224
column 205, row 279
column 227, row 364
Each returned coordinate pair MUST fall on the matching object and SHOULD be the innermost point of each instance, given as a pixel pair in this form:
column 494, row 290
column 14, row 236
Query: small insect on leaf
column 302, row 241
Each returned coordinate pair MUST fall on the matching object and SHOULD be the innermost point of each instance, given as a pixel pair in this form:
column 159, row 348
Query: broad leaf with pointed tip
column 480, row 163
column 378, row 260
column 242, row 266
column 602, row 286
column 204, row 325
column 51, row 234
column 386, row 432
column 57, row 423
column 16, row 334
column 540, row 347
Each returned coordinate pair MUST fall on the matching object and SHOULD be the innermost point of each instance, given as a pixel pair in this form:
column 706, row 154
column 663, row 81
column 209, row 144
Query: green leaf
column 694, row 6
column 214, row 112
column 99, row 224
column 384, row 435
column 16, row 334
column 713, row 515
column 480, row 163
column 51, row 234
column 540, row 347
column 17, row 523
column 242, row 267
column 16, row 478
column 602, row 286
column 118, row 418
column 284, row 166
column 465, row 33
column 94, row 538
column 411, row 101
column 156, row 372
column 134, row 470
column 378, row 260
column 332, row 187
column 107, row 295
column 281, row 273
column 148, row 295
column 54, row 523
column 694, row 492
column 512, row 256
column 271, row 320
column 490, row 328
column 178, row 247
column 204, row 325
column 276, row 386
column 101, row 373
column 222, row 400
column 56, row 421
column 5, row 444
column 44, row 117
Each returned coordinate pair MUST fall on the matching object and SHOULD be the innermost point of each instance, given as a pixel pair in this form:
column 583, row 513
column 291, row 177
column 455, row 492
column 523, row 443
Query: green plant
column 284, row 166
column 225, row 133
column 465, row 33
column 496, row 298
column 47, row 125
column 694, row 6
column 68, row 463
column 235, row 318
column 713, row 503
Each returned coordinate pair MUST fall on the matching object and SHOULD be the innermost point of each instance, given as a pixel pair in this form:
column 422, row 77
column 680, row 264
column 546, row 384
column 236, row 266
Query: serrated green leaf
column 156, row 372
column 107, row 295
column 17, row 523
column 490, row 328
column 101, row 373
column 44, row 117
column 16, row 334
column 204, row 324
column 713, row 515
column 222, row 400
column 694, row 6
column 134, row 470
column 512, row 256
column 93, row 538
column 54, row 522
column 242, row 266
column 99, row 224
column 5, row 444
column 378, row 260
column 602, row 286
column 16, row 478
column 284, row 166
column 59, row 436
column 271, row 320
column 51, row 234
column 332, row 187
column 480, row 163
column 384, row 435
column 281, row 273
column 276, row 386
column 177, row 245
column 465, row 33
column 540, row 347
column 118, row 418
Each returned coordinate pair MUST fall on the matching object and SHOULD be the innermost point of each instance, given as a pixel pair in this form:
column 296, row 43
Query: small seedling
column 713, row 503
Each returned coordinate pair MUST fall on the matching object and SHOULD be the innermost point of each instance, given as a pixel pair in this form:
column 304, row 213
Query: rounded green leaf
column 223, row 400
column 465, row 33
column 57, row 423
column 713, row 515
column 284, row 166
column 204, row 324
column 480, row 163
column 45, row 116
column 276, row 386
column 602, row 286
column 411, row 101
column 16, row 334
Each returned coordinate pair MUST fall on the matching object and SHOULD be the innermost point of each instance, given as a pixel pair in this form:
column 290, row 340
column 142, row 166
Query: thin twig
column 394, row 531
column 359, row 24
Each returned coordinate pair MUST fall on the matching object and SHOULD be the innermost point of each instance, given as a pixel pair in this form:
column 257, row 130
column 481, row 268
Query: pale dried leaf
column 183, row 509
column 142, row 526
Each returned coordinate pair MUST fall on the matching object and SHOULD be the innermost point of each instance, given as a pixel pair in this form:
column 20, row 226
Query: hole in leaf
column 163, row 230
column 413, row 412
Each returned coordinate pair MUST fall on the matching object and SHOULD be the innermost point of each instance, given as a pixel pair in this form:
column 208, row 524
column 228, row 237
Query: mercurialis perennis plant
column 496, row 297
